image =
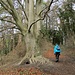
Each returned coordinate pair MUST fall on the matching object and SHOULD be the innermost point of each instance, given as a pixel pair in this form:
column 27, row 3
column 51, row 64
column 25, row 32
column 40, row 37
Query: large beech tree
column 26, row 16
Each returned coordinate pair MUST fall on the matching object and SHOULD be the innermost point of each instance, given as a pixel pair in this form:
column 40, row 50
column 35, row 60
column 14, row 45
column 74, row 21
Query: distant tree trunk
column 19, row 39
column 46, row 25
column 73, row 38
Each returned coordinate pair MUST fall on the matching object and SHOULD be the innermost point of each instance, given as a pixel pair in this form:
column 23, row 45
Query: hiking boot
column 57, row 60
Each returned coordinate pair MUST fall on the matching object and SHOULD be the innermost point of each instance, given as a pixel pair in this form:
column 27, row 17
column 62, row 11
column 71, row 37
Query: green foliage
column 67, row 17
column 56, row 36
column 9, row 43
column 45, row 33
column 16, row 39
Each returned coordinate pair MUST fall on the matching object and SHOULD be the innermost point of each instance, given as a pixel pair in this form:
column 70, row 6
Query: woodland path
column 66, row 66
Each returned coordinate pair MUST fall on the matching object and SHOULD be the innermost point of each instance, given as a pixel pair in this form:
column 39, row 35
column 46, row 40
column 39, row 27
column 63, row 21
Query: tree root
column 33, row 60
column 40, row 59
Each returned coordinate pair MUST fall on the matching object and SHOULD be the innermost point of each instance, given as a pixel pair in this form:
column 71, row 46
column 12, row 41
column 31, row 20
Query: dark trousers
column 57, row 54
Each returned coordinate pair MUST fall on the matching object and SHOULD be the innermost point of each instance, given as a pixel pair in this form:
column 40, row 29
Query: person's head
column 56, row 44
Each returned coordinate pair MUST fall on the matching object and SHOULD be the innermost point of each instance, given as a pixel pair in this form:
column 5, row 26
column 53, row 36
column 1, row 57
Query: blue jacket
column 57, row 48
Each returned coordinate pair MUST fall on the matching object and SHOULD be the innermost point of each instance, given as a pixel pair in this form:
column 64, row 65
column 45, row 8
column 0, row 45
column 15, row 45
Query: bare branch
column 47, row 6
column 43, row 16
column 5, row 6
column 10, row 3
column 11, row 10
column 7, row 28
column 23, row 9
column 9, row 22
column 43, row 10
column 34, row 23
column 3, row 19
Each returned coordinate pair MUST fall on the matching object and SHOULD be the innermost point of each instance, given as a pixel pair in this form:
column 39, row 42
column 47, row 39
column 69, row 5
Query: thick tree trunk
column 30, row 43
column 32, row 51
column 29, row 37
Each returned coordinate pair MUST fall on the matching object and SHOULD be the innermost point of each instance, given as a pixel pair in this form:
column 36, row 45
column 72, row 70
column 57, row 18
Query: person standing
column 57, row 51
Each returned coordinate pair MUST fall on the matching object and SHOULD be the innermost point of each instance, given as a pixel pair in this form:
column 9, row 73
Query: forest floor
column 66, row 65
